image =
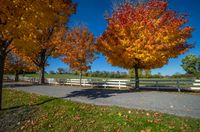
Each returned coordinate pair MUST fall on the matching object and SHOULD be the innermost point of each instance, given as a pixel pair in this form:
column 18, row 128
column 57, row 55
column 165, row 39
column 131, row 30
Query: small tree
column 51, row 72
column 61, row 70
column 78, row 49
column 147, row 73
column 191, row 64
column 144, row 36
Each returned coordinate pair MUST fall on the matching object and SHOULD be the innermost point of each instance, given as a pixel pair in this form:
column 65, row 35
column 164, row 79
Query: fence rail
column 114, row 83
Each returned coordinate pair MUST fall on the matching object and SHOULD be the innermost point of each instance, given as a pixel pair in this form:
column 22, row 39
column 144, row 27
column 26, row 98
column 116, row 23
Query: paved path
column 173, row 103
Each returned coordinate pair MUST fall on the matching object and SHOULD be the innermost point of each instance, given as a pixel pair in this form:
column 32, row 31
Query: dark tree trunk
column 23, row 74
column 81, row 76
column 42, row 66
column 3, row 53
column 16, row 76
column 42, row 71
column 136, row 79
column 2, row 62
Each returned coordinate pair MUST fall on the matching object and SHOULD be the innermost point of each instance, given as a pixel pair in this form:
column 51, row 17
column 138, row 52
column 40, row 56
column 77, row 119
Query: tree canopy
column 77, row 48
column 144, row 35
column 27, row 26
column 48, row 19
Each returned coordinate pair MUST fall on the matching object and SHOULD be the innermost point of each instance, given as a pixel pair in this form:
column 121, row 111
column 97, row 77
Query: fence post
column 66, row 81
column 178, row 86
column 119, row 84
column 84, row 82
column 157, row 85
column 105, row 83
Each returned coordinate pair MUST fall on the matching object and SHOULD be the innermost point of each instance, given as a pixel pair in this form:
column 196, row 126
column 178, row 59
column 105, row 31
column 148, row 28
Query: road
column 180, row 104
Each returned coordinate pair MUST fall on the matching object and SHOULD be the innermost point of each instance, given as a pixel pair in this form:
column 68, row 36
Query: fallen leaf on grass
column 156, row 114
column 171, row 127
column 93, row 121
column 50, row 126
column 22, row 127
column 150, row 121
column 71, row 130
column 119, row 114
column 156, row 121
column 77, row 117
column 147, row 114
column 118, row 130
column 147, row 130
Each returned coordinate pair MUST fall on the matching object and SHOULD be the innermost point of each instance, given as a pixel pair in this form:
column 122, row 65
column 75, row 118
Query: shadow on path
column 96, row 93
column 18, row 84
column 106, row 93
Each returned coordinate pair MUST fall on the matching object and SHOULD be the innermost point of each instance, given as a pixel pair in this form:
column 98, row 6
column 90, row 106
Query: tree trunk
column 136, row 79
column 2, row 62
column 16, row 76
column 81, row 76
column 23, row 73
column 42, row 71
column 3, row 53
column 42, row 66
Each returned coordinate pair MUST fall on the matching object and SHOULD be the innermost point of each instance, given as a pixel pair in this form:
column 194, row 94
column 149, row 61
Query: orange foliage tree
column 12, row 26
column 77, row 49
column 144, row 36
column 17, row 63
column 23, row 22
column 51, row 19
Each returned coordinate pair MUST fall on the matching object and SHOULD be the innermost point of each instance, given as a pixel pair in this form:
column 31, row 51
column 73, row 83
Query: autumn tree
column 23, row 22
column 12, row 27
column 17, row 63
column 144, row 35
column 79, row 49
column 54, row 15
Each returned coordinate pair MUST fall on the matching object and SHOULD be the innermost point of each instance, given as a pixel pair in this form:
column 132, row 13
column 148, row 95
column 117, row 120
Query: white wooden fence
column 114, row 83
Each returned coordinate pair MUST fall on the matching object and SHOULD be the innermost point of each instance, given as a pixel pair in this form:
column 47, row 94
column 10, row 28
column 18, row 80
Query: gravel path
column 173, row 103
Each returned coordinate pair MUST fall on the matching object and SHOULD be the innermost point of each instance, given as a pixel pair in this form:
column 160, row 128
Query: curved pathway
column 180, row 104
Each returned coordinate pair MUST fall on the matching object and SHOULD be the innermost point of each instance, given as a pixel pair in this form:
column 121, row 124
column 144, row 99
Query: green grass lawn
column 142, row 83
column 30, row 112
column 62, row 76
column 71, row 76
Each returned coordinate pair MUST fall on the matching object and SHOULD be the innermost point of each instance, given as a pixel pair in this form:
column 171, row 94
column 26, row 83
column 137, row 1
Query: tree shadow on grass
column 32, row 105
column 13, row 117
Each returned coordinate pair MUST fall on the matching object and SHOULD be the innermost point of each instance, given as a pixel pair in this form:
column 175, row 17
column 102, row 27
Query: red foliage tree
column 144, row 36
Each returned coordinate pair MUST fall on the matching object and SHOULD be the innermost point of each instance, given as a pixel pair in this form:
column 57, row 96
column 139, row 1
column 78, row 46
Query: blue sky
column 91, row 13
